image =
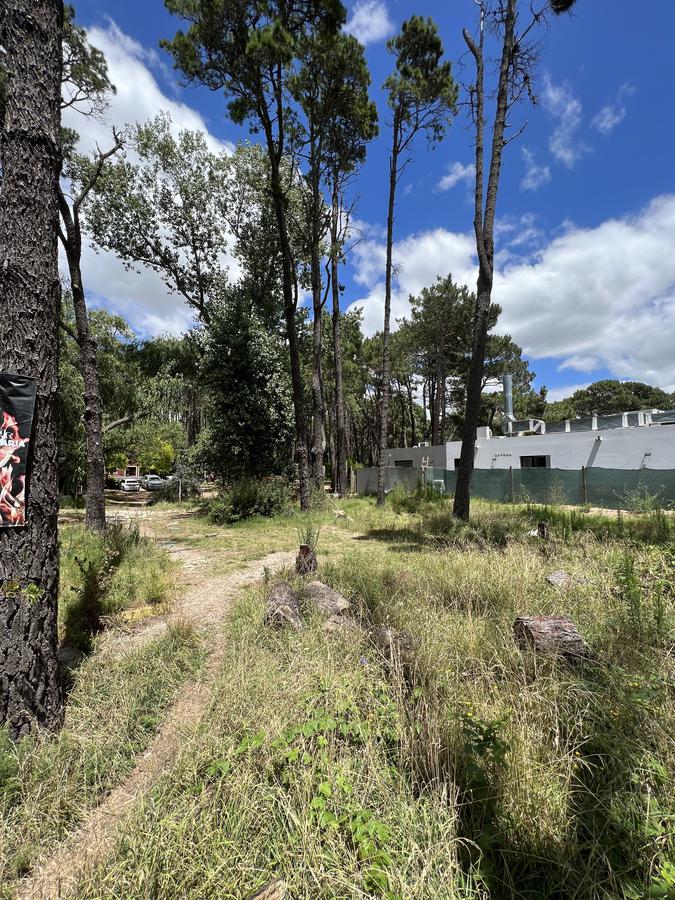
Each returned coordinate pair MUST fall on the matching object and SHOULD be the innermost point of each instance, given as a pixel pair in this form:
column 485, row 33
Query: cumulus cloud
column 370, row 21
column 456, row 172
column 140, row 297
column 590, row 297
column 561, row 393
column 613, row 114
column 535, row 175
column 565, row 143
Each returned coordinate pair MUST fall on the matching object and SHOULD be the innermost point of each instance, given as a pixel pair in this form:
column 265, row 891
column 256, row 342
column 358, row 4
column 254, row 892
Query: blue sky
column 586, row 213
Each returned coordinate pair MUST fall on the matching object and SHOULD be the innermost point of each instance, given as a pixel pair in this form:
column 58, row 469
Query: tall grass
column 47, row 782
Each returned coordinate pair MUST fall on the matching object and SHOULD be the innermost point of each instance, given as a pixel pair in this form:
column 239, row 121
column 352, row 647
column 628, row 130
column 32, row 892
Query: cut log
column 344, row 625
column 397, row 647
column 542, row 531
column 325, row 599
column 275, row 890
column 551, row 635
column 282, row 609
column 305, row 561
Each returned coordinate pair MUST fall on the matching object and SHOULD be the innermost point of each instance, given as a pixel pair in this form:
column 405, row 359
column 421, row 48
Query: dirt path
column 204, row 603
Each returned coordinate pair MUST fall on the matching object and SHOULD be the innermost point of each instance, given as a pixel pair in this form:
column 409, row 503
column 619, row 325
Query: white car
column 130, row 484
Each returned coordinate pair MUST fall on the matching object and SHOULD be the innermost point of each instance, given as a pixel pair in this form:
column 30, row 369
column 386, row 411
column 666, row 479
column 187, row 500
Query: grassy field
column 471, row 770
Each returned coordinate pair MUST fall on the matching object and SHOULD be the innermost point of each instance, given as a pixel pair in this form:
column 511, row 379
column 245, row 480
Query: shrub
column 247, row 498
column 168, row 493
column 404, row 499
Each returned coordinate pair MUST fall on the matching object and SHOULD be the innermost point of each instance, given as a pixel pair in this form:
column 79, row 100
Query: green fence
column 610, row 488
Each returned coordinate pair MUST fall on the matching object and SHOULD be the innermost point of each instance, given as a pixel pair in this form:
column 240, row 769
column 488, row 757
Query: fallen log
column 326, row 600
column 551, row 635
column 282, row 609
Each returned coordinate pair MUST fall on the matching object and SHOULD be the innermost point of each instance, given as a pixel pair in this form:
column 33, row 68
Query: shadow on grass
column 400, row 540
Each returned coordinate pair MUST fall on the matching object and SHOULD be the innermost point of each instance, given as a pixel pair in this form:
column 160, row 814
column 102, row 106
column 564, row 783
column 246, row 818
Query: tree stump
column 551, row 635
column 542, row 531
column 305, row 561
column 326, row 600
column 282, row 609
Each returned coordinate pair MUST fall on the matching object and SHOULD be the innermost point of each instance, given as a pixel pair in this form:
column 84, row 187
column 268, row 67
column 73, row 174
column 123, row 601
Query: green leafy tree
column 249, row 49
column 335, row 120
column 421, row 96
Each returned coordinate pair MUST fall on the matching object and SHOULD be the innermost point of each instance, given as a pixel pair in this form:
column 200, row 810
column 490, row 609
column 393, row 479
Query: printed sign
column 17, row 404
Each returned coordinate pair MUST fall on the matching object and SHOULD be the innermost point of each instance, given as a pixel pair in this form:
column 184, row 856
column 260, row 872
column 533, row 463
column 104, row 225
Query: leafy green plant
column 308, row 534
column 248, row 497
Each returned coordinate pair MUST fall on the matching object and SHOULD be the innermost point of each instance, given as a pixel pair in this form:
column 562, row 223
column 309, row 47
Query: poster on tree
column 17, row 404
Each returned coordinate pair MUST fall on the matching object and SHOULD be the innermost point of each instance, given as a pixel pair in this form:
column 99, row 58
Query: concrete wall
column 651, row 447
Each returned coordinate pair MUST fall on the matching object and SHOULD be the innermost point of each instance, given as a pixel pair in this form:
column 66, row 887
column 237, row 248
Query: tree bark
column 30, row 34
column 341, row 485
column 484, row 231
column 386, row 363
column 298, row 390
column 318, row 408
column 93, row 407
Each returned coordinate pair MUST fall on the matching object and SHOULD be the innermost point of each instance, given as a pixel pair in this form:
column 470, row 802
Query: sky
column 585, row 233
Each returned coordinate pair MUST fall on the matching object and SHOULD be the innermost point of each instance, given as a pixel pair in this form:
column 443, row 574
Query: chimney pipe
column 507, row 382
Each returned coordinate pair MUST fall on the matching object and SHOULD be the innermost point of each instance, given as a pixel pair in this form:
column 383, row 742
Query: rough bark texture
column 386, row 363
column 340, row 470
column 93, row 407
column 484, row 230
column 318, row 409
column 282, row 609
column 552, row 635
column 30, row 33
column 305, row 561
column 275, row 890
column 326, row 600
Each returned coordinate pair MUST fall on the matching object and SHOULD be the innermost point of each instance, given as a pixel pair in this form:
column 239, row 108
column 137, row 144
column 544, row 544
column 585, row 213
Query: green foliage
column 421, row 91
column 308, row 533
column 607, row 397
column 102, row 575
column 248, row 497
column 86, row 86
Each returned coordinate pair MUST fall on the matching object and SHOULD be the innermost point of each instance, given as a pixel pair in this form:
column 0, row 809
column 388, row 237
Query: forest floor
column 204, row 755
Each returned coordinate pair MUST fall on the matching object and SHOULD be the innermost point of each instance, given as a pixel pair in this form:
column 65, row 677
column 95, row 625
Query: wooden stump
column 551, row 635
column 305, row 561
column 542, row 530
column 282, row 609
column 325, row 599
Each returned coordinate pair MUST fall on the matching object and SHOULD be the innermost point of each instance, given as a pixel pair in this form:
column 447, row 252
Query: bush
column 168, row 493
column 404, row 499
column 247, row 498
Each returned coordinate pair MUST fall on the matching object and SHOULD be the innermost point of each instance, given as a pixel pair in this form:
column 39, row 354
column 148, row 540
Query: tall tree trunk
column 341, row 485
column 438, row 395
column 318, row 409
column 411, row 407
column 93, row 407
column 386, row 363
column 288, row 286
column 30, row 34
column 484, row 230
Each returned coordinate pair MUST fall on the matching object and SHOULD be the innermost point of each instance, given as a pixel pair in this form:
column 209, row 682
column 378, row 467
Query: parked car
column 130, row 484
column 152, row 482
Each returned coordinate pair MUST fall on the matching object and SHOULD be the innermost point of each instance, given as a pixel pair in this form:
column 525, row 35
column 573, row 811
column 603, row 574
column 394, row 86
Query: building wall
column 625, row 448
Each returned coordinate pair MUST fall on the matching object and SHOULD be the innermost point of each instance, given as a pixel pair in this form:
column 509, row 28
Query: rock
column 396, row 646
column 305, row 561
column 559, row 579
column 340, row 625
column 325, row 599
column 283, row 609
column 553, row 635
column 275, row 890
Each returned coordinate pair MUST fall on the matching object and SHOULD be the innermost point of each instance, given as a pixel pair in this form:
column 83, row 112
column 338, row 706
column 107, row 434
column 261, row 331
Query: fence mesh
column 609, row 488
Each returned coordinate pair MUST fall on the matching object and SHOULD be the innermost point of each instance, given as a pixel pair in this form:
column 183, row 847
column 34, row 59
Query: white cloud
column 591, row 297
column 535, row 175
column 564, row 143
column 140, row 297
column 561, row 393
column 613, row 114
column 456, row 172
column 370, row 21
